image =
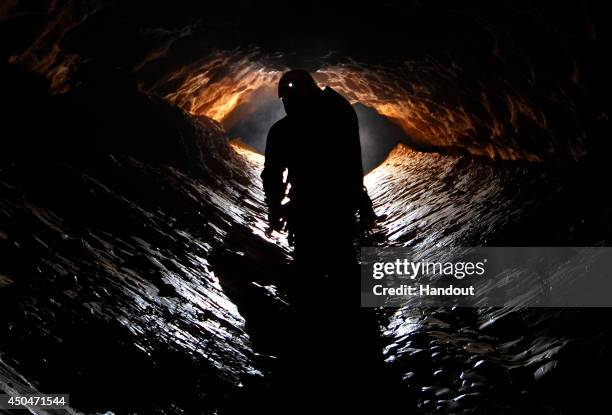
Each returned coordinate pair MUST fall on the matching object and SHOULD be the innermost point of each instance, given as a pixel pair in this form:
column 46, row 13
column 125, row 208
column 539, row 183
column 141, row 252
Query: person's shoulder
column 331, row 93
column 280, row 125
column 336, row 99
column 279, row 129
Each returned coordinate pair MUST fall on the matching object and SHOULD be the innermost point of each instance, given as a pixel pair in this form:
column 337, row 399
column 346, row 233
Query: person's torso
column 320, row 157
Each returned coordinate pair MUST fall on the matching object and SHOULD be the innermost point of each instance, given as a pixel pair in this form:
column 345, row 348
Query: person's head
column 296, row 89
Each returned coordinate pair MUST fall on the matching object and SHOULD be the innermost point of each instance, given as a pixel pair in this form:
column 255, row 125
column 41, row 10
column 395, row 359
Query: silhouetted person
column 318, row 144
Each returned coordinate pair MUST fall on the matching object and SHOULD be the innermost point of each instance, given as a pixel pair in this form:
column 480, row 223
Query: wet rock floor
column 138, row 288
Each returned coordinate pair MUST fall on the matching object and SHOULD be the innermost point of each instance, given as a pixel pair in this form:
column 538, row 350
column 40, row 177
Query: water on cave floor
column 175, row 276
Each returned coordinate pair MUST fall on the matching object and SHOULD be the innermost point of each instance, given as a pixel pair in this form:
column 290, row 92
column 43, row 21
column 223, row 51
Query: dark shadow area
column 316, row 348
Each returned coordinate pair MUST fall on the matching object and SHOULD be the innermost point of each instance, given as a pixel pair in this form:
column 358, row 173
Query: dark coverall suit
column 321, row 150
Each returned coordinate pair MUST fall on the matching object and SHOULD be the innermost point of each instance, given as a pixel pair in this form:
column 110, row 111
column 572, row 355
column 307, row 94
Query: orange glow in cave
column 226, row 86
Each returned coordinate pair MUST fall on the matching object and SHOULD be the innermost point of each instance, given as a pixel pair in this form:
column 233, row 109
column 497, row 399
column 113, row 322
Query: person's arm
column 272, row 177
column 367, row 216
column 357, row 192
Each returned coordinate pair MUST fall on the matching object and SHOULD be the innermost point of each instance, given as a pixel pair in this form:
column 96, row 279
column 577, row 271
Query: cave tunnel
column 138, row 272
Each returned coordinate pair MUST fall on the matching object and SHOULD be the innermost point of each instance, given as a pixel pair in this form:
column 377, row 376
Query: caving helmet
column 295, row 89
column 295, row 82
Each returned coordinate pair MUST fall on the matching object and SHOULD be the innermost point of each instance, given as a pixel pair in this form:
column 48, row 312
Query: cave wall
column 511, row 80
